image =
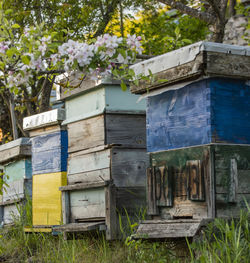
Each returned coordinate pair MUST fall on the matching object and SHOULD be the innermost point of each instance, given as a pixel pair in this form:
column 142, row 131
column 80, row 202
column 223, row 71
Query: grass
column 222, row 242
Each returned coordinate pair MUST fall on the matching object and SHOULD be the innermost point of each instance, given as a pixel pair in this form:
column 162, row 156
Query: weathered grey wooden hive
column 17, row 174
column 49, row 167
column 197, row 136
column 107, row 157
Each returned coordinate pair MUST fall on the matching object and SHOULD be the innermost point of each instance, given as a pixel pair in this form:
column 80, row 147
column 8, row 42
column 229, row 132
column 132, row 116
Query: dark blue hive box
column 214, row 110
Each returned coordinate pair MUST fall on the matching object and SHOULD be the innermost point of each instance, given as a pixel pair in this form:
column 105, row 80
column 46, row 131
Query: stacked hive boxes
column 49, row 166
column 17, row 175
column 107, row 157
column 198, row 136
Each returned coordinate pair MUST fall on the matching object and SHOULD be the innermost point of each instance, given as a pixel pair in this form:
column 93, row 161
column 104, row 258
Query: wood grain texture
column 168, row 229
column 87, row 133
column 126, row 129
column 81, row 163
column 46, row 198
column 92, row 176
column 128, row 167
column 152, row 208
column 87, row 203
column 83, row 186
column 17, row 189
column 65, row 207
column 79, row 227
column 10, row 214
column 46, row 130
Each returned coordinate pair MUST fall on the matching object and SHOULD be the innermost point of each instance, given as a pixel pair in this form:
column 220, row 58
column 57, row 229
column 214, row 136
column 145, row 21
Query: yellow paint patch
column 47, row 199
column 37, row 230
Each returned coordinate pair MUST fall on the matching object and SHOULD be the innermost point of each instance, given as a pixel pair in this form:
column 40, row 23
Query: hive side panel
column 119, row 100
column 82, row 107
column 10, row 213
column 87, row 204
column 85, row 134
column 126, row 129
column 179, row 118
column 232, row 171
column 129, row 167
column 17, row 170
column 46, row 198
column 178, row 164
column 230, row 107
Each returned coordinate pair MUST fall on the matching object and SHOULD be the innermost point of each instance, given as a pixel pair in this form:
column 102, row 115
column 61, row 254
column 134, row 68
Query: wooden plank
column 233, row 187
column 92, row 176
column 88, row 162
column 111, row 213
column 47, row 118
column 202, row 58
column 125, row 129
column 65, row 207
column 46, row 198
column 46, row 130
column 13, row 201
column 130, row 198
column 85, row 134
column 195, row 177
column 10, row 214
column 151, row 195
column 168, row 230
column 79, row 227
column 83, row 186
column 84, row 106
column 129, row 166
column 17, row 189
column 87, row 203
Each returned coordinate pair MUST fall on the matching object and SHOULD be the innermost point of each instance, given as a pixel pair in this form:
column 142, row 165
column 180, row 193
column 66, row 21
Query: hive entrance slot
column 183, row 217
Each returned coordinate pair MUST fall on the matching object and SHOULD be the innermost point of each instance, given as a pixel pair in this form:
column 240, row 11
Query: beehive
column 197, row 136
column 107, row 157
column 17, row 174
column 49, row 167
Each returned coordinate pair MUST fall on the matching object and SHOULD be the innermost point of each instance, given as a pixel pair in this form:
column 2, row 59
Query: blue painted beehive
column 49, row 153
column 214, row 110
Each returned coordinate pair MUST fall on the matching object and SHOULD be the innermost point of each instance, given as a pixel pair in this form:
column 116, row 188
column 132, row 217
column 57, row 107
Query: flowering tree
column 31, row 59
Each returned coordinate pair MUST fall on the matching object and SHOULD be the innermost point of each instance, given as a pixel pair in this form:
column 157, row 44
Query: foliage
column 163, row 31
column 224, row 241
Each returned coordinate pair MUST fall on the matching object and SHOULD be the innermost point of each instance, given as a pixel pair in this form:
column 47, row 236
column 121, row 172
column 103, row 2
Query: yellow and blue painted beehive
column 49, row 166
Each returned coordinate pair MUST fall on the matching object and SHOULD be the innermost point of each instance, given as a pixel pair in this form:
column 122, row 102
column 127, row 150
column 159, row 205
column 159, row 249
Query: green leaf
column 15, row 26
column 8, row 11
column 25, row 59
column 177, row 31
column 123, row 86
column 2, row 65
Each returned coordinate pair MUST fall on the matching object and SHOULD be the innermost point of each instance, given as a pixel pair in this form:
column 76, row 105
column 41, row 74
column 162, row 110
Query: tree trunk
column 218, row 32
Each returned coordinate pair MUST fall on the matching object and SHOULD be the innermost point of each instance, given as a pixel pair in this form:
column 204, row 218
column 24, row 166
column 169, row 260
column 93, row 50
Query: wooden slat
column 128, row 167
column 79, row 227
column 88, row 162
column 10, row 202
column 151, row 195
column 10, row 213
column 65, row 207
column 85, row 134
column 233, row 187
column 46, row 130
column 92, row 176
column 87, row 203
column 195, row 180
column 111, row 212
column 126, row 129
column 168, row 229
column 83, row 186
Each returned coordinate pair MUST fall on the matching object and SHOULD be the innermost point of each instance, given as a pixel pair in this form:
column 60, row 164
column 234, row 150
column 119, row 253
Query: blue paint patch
column 208, row 111
column 50, row 153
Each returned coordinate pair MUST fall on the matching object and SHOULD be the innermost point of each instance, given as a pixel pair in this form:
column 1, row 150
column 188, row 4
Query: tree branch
column 205, row 16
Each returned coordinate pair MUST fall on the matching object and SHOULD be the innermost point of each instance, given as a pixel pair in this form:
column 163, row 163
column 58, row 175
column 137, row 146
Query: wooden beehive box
column 101, row 181
column 49, row 166
column 197, row 136
column 17, row 174
column 107, row 157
